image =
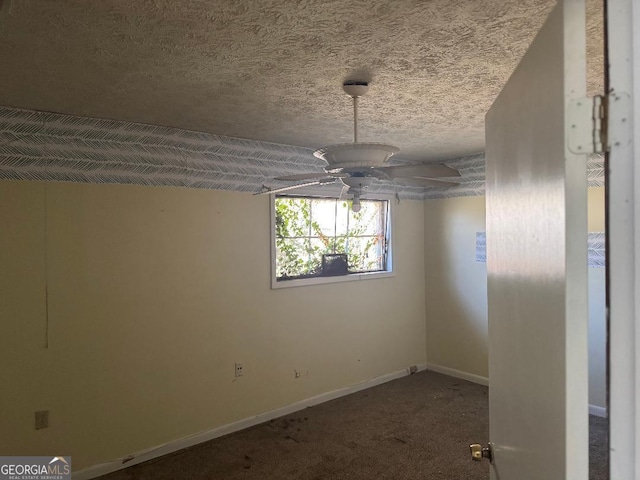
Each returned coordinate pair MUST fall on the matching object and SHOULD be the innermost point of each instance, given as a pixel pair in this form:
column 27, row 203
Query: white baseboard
column 452, row 372
column 598, row 411
column 160, row 450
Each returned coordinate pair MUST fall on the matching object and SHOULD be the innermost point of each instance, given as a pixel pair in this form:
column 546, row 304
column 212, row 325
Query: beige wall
column 153, row 294
column 456, row 285
column 597, row 312
column 456, row 288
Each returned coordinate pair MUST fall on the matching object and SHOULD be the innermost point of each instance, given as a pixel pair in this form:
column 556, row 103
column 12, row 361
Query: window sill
column 303, row 282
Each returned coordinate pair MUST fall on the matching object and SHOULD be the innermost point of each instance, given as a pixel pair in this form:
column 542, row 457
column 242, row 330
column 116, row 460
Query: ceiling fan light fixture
column 356, row 206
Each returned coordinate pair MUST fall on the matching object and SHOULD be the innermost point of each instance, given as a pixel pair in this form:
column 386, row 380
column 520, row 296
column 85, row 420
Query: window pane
column 369, row 220
column 292, row 257
column 341, row 244
column 365, row 253
column 323, row 217
column 292, row 217
column 342, row 217
column 316, row 248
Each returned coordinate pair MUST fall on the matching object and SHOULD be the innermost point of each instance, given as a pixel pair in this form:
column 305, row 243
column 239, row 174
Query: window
column 323, row 238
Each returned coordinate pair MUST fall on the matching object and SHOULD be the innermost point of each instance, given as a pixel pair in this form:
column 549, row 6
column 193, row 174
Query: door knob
column 478, row 452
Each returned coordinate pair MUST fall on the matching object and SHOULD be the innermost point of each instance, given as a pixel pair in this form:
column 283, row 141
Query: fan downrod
column 355, row 90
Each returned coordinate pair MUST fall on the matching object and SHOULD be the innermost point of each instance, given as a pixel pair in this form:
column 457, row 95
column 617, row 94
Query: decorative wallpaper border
column 54, row 147
column 595, row 249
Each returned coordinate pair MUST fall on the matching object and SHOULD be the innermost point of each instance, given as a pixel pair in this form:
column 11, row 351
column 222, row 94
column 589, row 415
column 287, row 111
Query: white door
column 536, row 194
column 623, row 228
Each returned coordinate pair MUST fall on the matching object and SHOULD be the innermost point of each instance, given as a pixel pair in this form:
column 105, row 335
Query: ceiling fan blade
column 380, row 174
column 422, row 171
column 302, row 176
column 322, row 181
column 310, row 176
column 426, row 182
column 343, row 192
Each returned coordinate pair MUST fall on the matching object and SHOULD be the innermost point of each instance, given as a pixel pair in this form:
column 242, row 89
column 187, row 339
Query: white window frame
column 351, row 277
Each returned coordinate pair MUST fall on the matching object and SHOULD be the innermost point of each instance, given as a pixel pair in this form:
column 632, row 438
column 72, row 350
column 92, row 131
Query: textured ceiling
column 271, row 70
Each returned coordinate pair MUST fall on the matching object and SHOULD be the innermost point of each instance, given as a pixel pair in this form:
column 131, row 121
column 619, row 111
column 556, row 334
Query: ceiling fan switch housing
column 355, row 89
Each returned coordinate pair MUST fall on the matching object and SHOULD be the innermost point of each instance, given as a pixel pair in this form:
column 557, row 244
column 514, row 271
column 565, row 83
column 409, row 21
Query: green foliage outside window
column 307, row 228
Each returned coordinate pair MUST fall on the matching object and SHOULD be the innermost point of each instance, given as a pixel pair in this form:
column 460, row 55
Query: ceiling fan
column 357, row 165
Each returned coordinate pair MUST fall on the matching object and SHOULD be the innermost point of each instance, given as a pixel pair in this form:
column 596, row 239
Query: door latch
column 478, row 452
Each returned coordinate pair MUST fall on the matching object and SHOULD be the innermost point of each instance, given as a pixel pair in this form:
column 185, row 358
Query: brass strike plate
column 476, row 452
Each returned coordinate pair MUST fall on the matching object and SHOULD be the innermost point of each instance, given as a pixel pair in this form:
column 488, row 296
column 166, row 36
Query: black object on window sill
column 334, row 264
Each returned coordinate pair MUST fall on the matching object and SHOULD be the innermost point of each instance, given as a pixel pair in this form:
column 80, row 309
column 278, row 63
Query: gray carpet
column 417, row 427
column 598, row 445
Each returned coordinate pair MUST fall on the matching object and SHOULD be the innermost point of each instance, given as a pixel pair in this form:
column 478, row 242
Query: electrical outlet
column 239, row 370
column 42, row 419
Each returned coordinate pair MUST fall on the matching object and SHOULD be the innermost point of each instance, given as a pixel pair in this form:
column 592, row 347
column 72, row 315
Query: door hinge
column 588, row 124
